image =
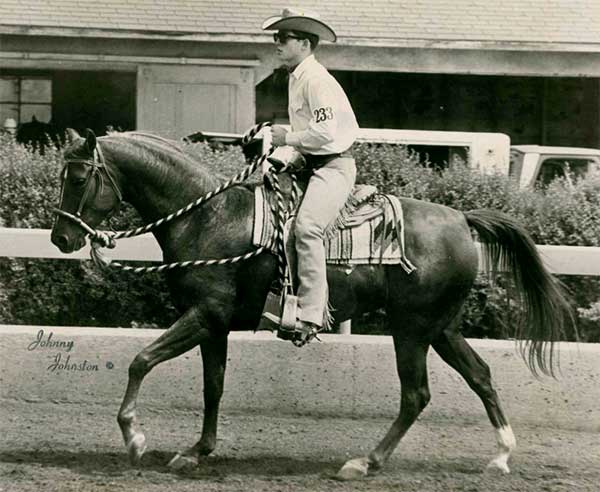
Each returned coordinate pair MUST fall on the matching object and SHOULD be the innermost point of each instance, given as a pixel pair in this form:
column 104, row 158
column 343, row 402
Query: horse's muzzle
column 65, row 244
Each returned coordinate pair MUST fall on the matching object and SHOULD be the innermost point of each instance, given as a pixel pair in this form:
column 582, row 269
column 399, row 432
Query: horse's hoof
column 181, row 462
column 136, row 448
column 354, row 469
column 498, row 464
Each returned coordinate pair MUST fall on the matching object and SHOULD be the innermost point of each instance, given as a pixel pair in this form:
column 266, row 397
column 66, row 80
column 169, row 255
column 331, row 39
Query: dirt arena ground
column 73, row 447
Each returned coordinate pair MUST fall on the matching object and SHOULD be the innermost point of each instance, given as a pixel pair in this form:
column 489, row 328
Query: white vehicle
column 492, row 152
column 536, row 164
column 487, row 152
column 484, row 151
column 531, row 165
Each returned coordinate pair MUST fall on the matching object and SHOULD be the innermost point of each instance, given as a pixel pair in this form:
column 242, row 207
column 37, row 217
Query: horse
column 423, row 309
column 39, row 134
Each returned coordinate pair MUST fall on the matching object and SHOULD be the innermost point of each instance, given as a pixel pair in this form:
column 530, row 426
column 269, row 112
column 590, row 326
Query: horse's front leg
column 214, row 359
column 183, row 335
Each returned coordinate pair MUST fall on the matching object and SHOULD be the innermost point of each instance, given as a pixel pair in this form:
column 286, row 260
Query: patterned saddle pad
column 369, row 229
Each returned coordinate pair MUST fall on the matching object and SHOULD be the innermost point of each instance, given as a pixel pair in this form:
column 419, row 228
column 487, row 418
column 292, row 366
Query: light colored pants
column 326, row 193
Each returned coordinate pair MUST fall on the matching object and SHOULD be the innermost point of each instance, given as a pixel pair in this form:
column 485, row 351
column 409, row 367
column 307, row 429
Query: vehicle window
column 516, row 164
column 553, row 168
column 441, row 156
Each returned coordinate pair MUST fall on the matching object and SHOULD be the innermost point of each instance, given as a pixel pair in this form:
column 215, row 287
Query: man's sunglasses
column 283, row 38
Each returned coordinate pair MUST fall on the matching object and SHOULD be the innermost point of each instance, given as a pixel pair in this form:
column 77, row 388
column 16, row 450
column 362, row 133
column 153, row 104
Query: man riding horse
column 323, row 128
column 423, row 309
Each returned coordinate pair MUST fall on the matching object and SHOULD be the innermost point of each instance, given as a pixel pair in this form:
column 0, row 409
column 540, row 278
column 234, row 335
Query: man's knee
column 307, row 228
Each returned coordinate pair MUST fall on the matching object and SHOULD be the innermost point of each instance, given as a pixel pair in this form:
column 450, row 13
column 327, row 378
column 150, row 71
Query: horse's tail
column 509, row 247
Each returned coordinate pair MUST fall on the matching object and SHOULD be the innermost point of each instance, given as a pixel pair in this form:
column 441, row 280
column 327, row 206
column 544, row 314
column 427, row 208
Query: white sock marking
column 507, row 443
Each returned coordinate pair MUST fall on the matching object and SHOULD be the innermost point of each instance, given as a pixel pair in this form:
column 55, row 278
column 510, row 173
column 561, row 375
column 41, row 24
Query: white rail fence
column 35, row 243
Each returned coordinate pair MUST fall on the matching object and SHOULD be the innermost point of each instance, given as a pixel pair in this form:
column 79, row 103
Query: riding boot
column 303, row 333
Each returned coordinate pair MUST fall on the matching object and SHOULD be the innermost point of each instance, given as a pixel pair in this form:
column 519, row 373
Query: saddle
column 368, row 230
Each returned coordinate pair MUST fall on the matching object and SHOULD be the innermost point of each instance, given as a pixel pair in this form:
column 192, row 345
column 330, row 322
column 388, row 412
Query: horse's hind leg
column 184, row 335
column 411, row 362
column 456, row 352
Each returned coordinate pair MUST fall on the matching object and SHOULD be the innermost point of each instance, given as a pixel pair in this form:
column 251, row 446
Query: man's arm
column 321, row 128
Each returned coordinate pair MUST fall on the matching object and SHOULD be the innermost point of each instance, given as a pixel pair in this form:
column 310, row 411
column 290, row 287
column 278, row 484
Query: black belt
column 316, row 161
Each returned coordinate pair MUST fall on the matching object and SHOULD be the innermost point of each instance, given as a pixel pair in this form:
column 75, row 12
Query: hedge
column 61, row 292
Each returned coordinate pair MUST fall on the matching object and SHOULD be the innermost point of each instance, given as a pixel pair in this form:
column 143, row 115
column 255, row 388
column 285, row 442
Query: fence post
column 345, row 327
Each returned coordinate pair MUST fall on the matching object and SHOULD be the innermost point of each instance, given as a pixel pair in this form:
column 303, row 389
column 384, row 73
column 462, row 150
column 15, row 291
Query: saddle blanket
column 363, row 237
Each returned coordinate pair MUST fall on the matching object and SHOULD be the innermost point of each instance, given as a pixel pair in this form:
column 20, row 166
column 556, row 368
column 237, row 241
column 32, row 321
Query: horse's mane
column 158, row 143
column 158, row 151
column 162, row 141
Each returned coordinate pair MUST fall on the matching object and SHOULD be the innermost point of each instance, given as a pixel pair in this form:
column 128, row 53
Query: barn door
column 175, row 101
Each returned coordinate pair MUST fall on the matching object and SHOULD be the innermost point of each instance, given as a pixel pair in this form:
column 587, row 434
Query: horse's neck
column 161, row 185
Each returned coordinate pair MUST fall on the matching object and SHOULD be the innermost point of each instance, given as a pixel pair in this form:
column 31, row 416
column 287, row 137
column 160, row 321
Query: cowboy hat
column 294, row 20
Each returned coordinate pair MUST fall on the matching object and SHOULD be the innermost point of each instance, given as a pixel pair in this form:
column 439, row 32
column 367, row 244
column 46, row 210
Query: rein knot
column 99, row 259
column 103, row 239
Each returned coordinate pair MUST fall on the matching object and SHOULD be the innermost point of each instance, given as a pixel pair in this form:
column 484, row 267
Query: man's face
column 290, row 49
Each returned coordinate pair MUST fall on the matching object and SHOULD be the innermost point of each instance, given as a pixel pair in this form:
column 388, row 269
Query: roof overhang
column 177, row 35
column 544, row 149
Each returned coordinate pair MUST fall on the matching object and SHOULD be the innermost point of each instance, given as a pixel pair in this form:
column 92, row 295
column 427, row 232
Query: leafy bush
column 64, row 292
column 590, row 322
column 74, row 292
column 28, row 184
column 566, row 213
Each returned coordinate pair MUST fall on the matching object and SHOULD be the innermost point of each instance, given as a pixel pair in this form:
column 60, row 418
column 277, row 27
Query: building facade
column 528, row 68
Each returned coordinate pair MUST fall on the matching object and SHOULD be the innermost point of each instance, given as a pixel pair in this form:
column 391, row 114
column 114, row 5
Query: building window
column 25, row 97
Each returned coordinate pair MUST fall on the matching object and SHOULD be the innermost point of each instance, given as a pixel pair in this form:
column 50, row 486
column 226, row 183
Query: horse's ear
column 90, row 140
column 72, row 135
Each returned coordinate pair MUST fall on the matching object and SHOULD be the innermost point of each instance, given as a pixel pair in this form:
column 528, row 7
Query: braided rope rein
column 245, row 174
column 108, row 239
column 179, row 264
column 280, row 215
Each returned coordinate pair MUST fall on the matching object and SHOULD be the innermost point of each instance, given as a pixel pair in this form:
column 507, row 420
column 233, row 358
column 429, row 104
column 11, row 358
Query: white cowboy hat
column 295, row 20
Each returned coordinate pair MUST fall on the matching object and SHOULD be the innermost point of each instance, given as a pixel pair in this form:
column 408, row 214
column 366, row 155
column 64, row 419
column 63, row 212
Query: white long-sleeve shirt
column 320, row 114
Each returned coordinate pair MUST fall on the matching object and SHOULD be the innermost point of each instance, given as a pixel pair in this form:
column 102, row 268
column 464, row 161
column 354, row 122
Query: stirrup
column 301, row 334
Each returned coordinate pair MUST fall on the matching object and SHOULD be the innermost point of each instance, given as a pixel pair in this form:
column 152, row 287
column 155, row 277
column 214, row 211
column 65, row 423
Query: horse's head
column 89, row 192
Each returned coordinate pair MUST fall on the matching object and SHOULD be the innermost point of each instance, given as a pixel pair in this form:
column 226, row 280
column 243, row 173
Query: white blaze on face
column 507, row 443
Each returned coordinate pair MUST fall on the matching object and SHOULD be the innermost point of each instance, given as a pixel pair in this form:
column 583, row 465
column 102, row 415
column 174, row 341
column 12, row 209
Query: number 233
column 322, row 114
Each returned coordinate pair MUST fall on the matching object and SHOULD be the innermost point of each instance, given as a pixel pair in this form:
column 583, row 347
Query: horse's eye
column 79, row 181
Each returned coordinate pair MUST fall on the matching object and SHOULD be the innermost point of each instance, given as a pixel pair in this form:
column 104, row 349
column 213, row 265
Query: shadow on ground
column 115, row 464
